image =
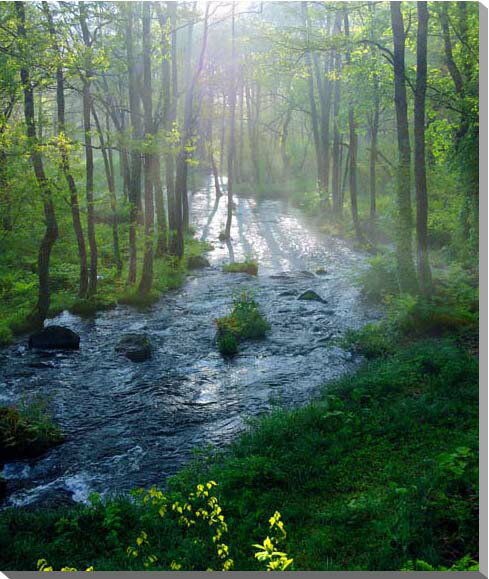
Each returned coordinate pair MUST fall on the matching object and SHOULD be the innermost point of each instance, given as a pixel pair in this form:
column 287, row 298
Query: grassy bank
column 381, row 471
column 18, row 287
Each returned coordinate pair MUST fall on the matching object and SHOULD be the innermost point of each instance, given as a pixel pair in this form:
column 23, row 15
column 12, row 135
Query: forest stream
column 129, row 425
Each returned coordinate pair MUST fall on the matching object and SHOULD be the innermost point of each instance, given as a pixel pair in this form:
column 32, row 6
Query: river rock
column 136, row 347
column 55, row 338
column 197, row 262
column 311, row 296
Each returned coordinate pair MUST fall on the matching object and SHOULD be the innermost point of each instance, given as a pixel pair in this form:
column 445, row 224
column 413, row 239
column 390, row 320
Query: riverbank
column 380, row 471
column 18, row 287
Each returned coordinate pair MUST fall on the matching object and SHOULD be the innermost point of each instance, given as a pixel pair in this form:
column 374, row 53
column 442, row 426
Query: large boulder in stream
column 136, row 347
column 197, row 262
column 55, row 338
column 311, row 296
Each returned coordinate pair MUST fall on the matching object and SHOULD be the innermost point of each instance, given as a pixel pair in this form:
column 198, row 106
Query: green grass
column 26, row 430
column 244, row 322
column 381, row 471
column 248, row 266
column 18, row 285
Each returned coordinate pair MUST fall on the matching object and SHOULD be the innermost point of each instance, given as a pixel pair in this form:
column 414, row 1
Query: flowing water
column 131, row 425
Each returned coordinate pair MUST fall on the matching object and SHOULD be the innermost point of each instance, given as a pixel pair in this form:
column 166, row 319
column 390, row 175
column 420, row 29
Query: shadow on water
column 131, row 425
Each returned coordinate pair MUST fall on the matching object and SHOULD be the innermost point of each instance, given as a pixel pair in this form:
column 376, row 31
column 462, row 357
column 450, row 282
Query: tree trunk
column 5, row 201
column 232, row 144
column 136, row 164
column 405, row 264
column 216, row 175
column 283, row 142
column 87, row 106
column 162, row 242
column 336, row 153
column 109, row 173
column 424, row 270
column 312, row 98
column 182, row 164
column 352, row 149
column 146, row 282
column 51, row 233
column 170, row 95
column 374, row 131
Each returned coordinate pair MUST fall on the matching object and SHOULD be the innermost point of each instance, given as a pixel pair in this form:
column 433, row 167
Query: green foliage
column 26, row 431
column 18, row 283
column 464, row 564
column 183, row 532
column 371, row 341
column 381, row 470
column 135, row 298
column 88, row 306
column 5, row 334
column 379, row 280
column 244, row 322
column 249, row 266
column 227, row 342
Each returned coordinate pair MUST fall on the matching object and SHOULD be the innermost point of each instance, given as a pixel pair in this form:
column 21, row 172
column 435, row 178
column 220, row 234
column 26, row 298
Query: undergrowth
column 248, row 266
column 26, row 430
column 244, row 322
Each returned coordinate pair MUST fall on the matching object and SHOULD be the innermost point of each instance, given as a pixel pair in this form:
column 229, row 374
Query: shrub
column 26, row 431
column 418, row 318
column 196, row 521
column 134, row 298
column 5, row 334
column 244, row 322
column 380, row 280
column 371, row 341
column 88, row 306
column 248, row 266
column 227, row 344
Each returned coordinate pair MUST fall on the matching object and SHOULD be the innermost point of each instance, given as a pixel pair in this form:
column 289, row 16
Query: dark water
column 131, row 425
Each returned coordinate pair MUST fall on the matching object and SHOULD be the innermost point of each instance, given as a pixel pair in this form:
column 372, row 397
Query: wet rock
column 311, row 296
column 321, row 271
column 40, row 365
column 136, row 347
column 288, row 293
column 197, row 262
column 55, row 338
column 53, row 500
column 305, row 273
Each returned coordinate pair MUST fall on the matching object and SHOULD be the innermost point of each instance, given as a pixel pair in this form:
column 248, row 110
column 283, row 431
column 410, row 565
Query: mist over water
column 131, row 425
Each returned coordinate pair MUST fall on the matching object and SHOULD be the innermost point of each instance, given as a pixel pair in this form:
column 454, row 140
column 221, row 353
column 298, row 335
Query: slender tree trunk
column 239, row 171
column 136, row 165
column 170, row 95
column 182, row 159
column 424, row 270
column 232, row 113
column 405, row 264
column 216, row 175
column 5, row 201
column 352, row 149
column 283, row 142
column 162, row 241
column 336, row 153
column 374, row 128
column 312, row 98
column 51, row 232
column 146, row 282
column 113, row 200
column 109, row 174
column 87, row 105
